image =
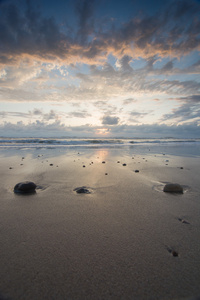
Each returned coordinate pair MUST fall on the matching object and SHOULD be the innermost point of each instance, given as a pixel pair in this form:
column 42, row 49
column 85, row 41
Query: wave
column 56, row 142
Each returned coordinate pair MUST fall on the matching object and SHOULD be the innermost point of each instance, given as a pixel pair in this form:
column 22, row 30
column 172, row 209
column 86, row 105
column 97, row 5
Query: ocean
column 181, row 147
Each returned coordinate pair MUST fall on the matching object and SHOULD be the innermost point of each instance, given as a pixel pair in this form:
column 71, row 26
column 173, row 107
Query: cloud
column 108, row 120
column 188, row 111
column 27, row 33
column 57, row 129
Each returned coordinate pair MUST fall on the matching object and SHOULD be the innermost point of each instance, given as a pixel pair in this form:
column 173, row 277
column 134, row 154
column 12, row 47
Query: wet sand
column 116, row 242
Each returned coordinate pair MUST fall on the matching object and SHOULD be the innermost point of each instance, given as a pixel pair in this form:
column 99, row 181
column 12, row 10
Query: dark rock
column 137, row 171
column 10, row 168
column 26, row 187
column 118, row 161
column 174, row 253
column 103, row 162
column 124, row 165
column 82, row 190
column 51, row 165
column 83, row 166
column 183, row 221
column 173, row 188
column 106, row 173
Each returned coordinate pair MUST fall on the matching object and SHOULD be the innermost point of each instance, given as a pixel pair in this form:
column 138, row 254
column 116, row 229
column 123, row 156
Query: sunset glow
column 90, row 68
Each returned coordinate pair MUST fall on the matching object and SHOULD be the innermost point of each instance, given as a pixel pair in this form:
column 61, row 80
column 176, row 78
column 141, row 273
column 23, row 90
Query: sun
column 102, row 131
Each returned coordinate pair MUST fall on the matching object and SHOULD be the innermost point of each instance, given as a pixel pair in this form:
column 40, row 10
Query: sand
column 116, row 242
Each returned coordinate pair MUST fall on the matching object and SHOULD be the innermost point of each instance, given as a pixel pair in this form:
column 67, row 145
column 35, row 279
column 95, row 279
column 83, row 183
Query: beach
column 115, row 242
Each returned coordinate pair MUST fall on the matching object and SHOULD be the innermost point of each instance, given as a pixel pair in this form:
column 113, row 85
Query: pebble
column 174, row 253
column 51, row 165
column 137, row 171
column 103, row 162
column 173, row 188
column 82, row 190
column 83, row 166
column 124, row 165
column 26, row 187
column 106, row 173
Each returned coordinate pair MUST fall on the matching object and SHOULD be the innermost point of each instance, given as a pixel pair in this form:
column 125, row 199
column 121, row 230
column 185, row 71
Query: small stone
column 137, row 171
column 82, row 190
column 10, row 168
column 83, row 166
column 173, row 188
column 181, row 168
column 124, row 165
column 51, row 165
column 103, row 162
column 174, row 253
column 118, row 162
column 183, row 221
column 106, row 173
column 26, row 187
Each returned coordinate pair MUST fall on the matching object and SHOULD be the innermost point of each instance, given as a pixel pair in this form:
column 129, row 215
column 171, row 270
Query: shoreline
column 114, row 243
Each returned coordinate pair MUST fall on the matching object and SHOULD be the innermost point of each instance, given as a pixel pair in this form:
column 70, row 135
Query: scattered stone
column 51, row 165
column 103, row 162
column 137, row 171
column 10, row 168
column 106, row 173
column 181, row 168
column 26, row 187
column 21, row 164
column 174, row 253
column 83, row 166
column 183, row 221
column 118, row 162
column 82, row 190
column 124, row 165
column 173, row 188
column 167, row 160
column 23, row 157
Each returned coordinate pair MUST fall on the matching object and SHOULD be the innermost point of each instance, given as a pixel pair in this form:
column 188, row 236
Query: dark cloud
column 189, row 111
column 108, row 120
column 84, row 10
column 57, row 129
column 25, row 31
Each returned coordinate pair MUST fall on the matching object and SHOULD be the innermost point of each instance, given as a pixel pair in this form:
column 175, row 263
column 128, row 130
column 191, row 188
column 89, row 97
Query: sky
column 100, row 68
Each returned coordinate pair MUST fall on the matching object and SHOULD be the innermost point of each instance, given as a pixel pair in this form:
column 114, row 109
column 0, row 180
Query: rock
column 82, row 190
column 124, row 165
column 51, row 165
column 83, row 166
column 137, row 171
column 26, row 187
column 106, row 173
column 118, row 161
column 173, row 188
column 174, row 253
column 103, row 162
